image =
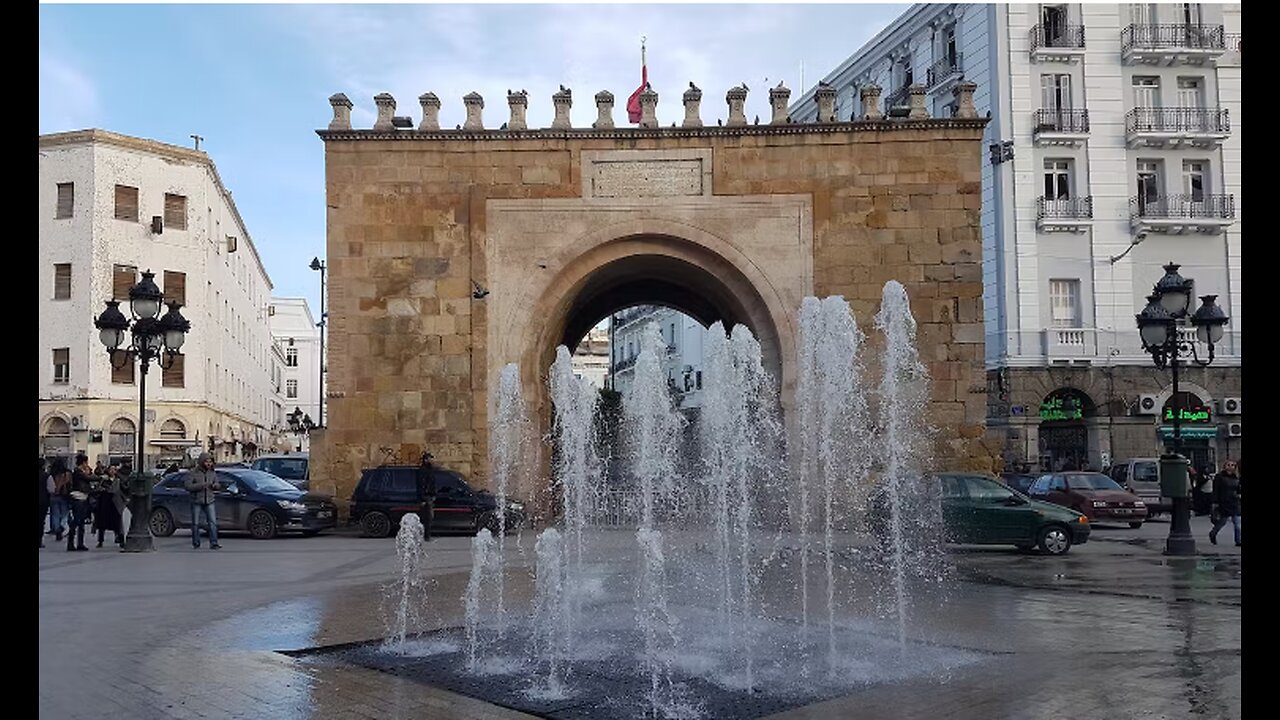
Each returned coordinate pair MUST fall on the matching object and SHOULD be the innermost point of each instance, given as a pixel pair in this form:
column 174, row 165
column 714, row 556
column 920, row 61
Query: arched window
column 122, row 439
column 173, row 429
column 57, row 437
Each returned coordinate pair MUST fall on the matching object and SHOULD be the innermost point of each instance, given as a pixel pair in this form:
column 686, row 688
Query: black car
column 386, row 493
column 251, row 500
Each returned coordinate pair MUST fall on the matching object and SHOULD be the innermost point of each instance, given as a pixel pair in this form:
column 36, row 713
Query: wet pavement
column 1112, row 630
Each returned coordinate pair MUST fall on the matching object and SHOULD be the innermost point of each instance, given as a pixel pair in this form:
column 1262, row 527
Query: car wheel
column 262, row 525
column 1054, row 540
column 375, row 524
column 162, row 524
column 1135, row 525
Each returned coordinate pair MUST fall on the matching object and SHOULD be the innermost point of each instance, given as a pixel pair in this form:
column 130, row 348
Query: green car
column 979, row 509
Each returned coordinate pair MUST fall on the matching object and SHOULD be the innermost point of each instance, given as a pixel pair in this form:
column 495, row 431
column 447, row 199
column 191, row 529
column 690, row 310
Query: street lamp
column 1158, row 326
column 318, row 264
column 151, row 339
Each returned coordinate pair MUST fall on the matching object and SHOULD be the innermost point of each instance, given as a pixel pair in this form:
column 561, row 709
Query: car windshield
column 1093, row 481
column 1145, row 472
column 287, row 468
column 261, row 481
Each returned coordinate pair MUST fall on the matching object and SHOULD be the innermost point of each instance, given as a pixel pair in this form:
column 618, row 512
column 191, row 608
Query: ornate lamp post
column 151, row 338
column 318, row 264
column 300, row 424
column 1158, row 325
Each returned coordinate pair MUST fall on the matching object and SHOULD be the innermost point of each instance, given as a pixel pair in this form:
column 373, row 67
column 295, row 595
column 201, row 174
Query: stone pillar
column 825, row 96
column 430, row 111
column 563, row 101
column 518, row 102
column 871, row 103
column 963, row 93
column 778, row 98
column 341, row 112
column 604, row 109
column 386, row 109
column 693, row 106
column 475, row 104
column 918, row 110
column 648, row 108
column 737, row 98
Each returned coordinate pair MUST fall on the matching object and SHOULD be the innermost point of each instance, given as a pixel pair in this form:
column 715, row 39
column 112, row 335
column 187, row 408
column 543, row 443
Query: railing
column 1198, row 37
column 1066, row 209
column 1072, row 337
column 1061, row 120
column 899, row 98
column 1232, row 41
column 944, row 68
column 624, row 364
column 1062, row 36
column 634, row 313
column 1177, row 120
column 1173, row 207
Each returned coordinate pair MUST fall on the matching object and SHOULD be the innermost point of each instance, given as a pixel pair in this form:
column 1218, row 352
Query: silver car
column 293, row 468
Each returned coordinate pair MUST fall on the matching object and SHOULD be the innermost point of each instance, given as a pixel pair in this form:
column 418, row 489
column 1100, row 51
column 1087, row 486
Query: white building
column 591, row 359
column 298, row 337
column 683, row 362
column 111, row 207
column 1114, row 148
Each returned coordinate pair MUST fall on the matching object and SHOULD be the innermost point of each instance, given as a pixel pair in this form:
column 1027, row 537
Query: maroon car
column 1091, row 494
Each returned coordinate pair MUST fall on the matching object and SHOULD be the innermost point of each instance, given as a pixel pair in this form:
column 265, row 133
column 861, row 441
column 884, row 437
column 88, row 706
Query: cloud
column 68, row 97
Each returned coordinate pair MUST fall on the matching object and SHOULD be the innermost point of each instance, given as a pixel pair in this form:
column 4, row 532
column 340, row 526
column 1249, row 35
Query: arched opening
column 1198, row 430
column 56, row 439
column 121, row 439
column 1065, row 415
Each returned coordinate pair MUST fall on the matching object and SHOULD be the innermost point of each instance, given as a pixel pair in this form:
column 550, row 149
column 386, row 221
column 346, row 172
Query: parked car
column 1018, row 481
column 1094, row 495
column 388, row 492
column 294, row 468
column 1141, row 476
column 251, row 500
column 978, row 509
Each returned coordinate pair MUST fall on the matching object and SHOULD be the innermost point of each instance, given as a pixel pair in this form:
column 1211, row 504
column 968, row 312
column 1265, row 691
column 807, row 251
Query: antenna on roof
column 197, row 138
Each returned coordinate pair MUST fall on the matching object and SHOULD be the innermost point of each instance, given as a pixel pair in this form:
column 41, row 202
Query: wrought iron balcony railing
column 1177, row 120
column 1176, row 207
column 1150, row 37
column 1080, row 208
column 1061, row 121
column 944, row 69
column 624, row 364
column 1059, row 36
column 899, row 98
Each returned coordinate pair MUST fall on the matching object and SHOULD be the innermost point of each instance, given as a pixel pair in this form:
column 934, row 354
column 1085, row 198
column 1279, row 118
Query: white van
column 1141, row 476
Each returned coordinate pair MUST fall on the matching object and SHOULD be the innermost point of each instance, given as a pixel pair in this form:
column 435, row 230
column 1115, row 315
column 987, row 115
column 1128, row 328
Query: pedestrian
column 107, row 505
column 44, row 497
column 124, row 491
column 81, row 486
column 59, row 485
column 1226, row 493
column 1202, row 491
column 427, row 485
column 202, row 482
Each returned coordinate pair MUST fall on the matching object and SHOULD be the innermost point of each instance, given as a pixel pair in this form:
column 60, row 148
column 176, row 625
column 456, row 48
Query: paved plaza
column 1112, row 630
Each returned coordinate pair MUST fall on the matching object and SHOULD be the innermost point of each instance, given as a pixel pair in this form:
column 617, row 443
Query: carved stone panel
column 647, row 174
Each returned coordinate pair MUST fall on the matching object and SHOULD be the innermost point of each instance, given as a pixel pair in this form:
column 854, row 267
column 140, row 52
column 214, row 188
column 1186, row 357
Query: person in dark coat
column 59, row 485
column 82, row 482
column 202, row 483
column 1226, row 493
column 44, row 498
column 427, row 481
column 108, row 503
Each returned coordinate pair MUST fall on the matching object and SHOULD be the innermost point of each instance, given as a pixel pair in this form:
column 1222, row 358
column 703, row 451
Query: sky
column 254, row 80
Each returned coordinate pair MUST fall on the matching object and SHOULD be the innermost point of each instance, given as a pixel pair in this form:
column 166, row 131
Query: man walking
column 1226, row 493
column 202, row 482
column 427, row 484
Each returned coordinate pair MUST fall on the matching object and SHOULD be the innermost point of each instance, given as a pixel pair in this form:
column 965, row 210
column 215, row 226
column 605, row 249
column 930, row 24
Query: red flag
column 633, row 102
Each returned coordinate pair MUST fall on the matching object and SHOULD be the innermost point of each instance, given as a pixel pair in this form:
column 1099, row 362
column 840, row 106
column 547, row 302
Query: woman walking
column 1226, row 493
column 108, row 502
column 59, row 486
column 81, row 487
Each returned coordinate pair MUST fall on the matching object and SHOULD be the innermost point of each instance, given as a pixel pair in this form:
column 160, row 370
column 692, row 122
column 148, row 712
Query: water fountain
column 409, row 593
column 507, row 452
column 482, row 561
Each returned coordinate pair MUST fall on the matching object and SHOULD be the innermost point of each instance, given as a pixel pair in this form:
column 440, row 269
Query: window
column 291, row 356
column 126, row 203
column 174, row 375
column 62, row 365
column 1040, row 486
column 175, row 287
column 122, row 368
column 673, row 335
column 982, row 490
column 1146, row 91
column 121, row 438
column 1148, row 184
column 175, row 211
column 122, row 280
column 1064, row 303
column 1190, row 93
column 1055, row 92
column 1142, row 13
column 173, row 429
column 1193, row 179
column 1191, row 14
column 66, row 201
column 291, row 388
column 1057, row 179
column 953, row 487
column 1058, row 483
column 62, row 281
column 1054, row 19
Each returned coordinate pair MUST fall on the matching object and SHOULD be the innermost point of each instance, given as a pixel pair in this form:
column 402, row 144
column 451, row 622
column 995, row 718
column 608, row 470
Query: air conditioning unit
column 1233, row 430
column 1231, row 406
column 1147, row 405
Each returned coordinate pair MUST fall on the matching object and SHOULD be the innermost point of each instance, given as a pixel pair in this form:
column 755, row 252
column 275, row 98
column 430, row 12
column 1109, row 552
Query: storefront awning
column 173, row 442
column 1201, row 432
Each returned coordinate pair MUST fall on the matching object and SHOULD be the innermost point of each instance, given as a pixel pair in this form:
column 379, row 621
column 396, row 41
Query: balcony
column 1064, row 43
column 898, row 98
column 625, row 364
column 1176, row 127
column 1069, row 343
column 948, row 70
column 1172, row 44
column 1178, row 214
column 1060, row 127
column 1069, row 215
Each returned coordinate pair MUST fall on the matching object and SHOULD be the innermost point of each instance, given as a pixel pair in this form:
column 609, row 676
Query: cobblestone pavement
column 1112, row 630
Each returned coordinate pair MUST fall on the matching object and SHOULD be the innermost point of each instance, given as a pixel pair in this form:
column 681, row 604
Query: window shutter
column 121, row 281
column 175, row 376
column 66, row 200
column 175, row 211
column 126, row 203
column 62, row 281
column 121, row 375
column 175, row 287
column 61, row 365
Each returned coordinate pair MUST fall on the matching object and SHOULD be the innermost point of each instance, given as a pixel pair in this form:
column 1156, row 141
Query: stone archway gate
column 454, row 252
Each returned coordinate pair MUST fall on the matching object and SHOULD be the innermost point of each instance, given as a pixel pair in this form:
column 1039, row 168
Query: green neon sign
column 1193, row 414
column 1056, row 409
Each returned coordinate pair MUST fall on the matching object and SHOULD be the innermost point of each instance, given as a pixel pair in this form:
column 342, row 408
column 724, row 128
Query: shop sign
column 1192, row 414
column 1058, row 408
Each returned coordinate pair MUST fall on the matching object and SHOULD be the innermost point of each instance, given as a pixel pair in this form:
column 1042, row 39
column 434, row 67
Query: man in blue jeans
column 202, row 482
